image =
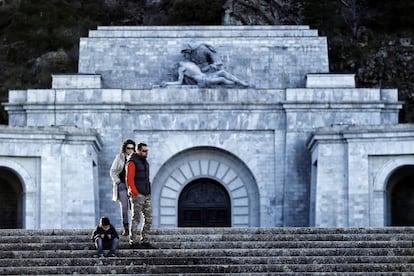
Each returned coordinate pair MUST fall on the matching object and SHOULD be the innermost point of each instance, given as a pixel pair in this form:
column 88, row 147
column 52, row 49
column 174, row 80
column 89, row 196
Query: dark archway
column 204, row 203
column 401, row 191
column 11, row 200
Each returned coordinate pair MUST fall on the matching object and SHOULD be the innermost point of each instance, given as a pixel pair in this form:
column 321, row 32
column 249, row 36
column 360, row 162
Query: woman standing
column 119, row 189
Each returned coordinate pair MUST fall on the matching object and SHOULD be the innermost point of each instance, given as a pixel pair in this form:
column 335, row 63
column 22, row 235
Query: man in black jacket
column 139, row 189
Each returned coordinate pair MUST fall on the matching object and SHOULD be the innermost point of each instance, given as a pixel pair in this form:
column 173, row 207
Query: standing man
column 139, row 189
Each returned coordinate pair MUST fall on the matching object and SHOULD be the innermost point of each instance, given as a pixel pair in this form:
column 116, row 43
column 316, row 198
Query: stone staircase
column 216, row 251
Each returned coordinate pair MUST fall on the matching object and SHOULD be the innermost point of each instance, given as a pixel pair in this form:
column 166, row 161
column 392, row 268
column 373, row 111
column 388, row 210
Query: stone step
column 217, row 245
column 284, row 230
column 294, row 273
column 217, row 268
column 215, row 231
column 218, row 251
column 326, row 252
column 213, row 260
column 221, row 237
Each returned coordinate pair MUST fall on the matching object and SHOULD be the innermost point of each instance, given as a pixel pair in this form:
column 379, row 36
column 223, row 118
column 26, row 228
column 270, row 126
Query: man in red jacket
column 139, row 189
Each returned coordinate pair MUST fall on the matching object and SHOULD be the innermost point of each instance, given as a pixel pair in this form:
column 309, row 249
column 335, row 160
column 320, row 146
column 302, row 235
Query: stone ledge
column 76, row 81
column 117, row 33
column 204, row 28
column 330, row 80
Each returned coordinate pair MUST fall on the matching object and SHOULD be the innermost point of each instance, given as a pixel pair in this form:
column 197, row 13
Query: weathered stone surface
column 261, row 144
column 76, row 81
column 329, row 251
column 264, row 56
column 355, row 190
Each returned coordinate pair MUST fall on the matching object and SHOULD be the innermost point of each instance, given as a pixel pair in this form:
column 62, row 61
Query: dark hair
column 140, row 145
column 125, row 143
column 104, row 221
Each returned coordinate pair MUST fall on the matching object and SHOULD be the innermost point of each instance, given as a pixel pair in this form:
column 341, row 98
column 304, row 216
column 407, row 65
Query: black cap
column 105, row 221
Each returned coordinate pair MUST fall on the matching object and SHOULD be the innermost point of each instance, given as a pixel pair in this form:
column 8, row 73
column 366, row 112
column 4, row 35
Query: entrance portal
column 402, row 196
column 11, row 198
column 204, row 203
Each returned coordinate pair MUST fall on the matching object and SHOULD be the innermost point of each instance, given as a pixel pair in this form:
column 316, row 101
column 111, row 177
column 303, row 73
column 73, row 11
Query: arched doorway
column 212, row 164
column 401, row 196
column 11, row 199
column 204, row 203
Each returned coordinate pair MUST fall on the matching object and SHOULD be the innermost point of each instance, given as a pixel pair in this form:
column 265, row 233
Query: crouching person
column 105, row 238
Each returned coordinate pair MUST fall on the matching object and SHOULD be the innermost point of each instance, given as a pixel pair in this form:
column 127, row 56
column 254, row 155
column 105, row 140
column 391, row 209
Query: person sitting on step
column 105, row 238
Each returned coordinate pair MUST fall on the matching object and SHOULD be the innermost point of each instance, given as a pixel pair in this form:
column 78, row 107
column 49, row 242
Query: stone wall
column 259, row 134
column 264, row 56
column 56, row 169
column 353, row 166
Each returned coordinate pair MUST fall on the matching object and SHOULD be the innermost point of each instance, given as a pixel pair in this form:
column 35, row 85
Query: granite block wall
column 264, row 56
column 354, row 167
column 55, row 169
column 260, row 135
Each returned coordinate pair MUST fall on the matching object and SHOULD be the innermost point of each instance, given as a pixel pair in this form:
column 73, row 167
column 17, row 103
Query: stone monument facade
column 296, row 146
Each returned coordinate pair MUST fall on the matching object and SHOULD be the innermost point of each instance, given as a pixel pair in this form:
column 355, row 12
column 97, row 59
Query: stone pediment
column 135, row 57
